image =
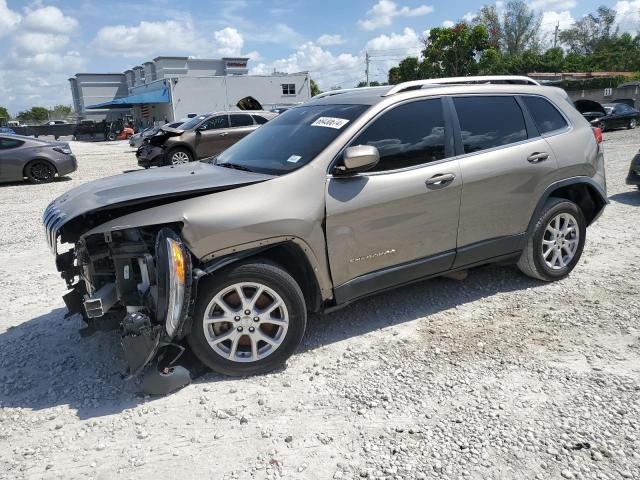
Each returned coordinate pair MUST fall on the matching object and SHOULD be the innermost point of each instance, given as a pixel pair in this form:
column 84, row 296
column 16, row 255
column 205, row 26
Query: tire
column 252, row 355
column 111, row 137
column 178, row 156
column 532, row 260
column 40, row 171
column 632, row 123
column 602, row 126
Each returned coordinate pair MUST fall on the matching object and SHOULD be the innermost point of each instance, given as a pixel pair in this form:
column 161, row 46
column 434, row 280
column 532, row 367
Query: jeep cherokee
column 349, row 194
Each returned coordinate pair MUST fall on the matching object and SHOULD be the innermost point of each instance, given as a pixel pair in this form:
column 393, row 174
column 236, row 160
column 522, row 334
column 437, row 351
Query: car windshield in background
column 290, row 140
column 192, row 122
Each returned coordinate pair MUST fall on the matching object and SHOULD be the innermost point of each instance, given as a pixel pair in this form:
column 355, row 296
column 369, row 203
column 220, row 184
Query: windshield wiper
column 234, row 166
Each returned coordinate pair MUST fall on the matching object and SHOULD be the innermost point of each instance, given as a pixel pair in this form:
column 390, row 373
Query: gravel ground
column 494, row 377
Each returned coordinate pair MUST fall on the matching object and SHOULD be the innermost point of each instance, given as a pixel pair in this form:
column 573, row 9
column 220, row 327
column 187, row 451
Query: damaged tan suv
column 350, row 194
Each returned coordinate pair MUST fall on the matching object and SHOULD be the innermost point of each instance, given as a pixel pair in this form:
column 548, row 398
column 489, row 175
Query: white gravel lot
column 494, row 377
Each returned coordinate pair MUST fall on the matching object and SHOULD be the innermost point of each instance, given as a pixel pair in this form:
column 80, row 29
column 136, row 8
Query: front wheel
column 247, row 320
column 178, row 156
column 555, row 245
column 40, row 171
column 632, row 123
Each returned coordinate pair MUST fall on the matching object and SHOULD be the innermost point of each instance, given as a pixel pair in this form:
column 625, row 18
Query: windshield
column 192, row 122
column 292, row 139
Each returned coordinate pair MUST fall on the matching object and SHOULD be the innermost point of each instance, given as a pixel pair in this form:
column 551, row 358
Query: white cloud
column 408, row 41
column 48, row 19
column 229, row 42
column 327, row 40
column 383, row 13
column 448, row 23
column 147, row 38
column 32, row 42
column 552, row 4
column 8, row 18
column 281, row 33
column 548, row 25
column 628, row 18
column 469, row 16
column 327, row 69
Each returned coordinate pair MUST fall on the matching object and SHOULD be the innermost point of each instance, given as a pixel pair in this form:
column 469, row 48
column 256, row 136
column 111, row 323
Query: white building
column 169, row 88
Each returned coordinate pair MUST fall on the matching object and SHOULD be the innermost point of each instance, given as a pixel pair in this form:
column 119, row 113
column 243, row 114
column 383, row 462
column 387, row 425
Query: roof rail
column 339, row 91
column 418, row 84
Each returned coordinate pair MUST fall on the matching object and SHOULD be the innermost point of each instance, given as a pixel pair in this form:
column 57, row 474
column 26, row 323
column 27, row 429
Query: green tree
column 590, row 31
column 35, row 114
column 315, row 89
column 520, row 28
column 489, row 18
column 374, row 83
column 60, row 112
column 452, row 52
column 4, row 113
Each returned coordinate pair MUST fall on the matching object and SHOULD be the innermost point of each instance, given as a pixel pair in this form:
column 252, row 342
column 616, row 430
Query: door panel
column 211, row 134
column 378, row 221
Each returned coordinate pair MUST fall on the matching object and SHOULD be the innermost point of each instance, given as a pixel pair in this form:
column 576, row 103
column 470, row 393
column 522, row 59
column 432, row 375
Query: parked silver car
column 36, row 160
column 350, row 194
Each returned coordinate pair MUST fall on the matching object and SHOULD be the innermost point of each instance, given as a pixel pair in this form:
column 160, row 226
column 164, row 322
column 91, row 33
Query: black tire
column 632, row 124
column 169, row 160
column 111, row 137
column 40, row 171
column 531, row 261
column 266, row 274
column 602, row 126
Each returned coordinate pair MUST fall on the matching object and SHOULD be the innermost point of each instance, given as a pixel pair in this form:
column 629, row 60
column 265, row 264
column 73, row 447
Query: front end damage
column 137, row 281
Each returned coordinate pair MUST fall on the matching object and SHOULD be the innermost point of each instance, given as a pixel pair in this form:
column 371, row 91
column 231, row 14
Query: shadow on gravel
column 628, row 198
column 45, row 362
column 414, row 301
column 26, row 183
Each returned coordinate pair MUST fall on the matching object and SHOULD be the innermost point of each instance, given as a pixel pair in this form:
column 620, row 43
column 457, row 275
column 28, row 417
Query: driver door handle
column 440, row 180
column 223, row 134
column 537, row 157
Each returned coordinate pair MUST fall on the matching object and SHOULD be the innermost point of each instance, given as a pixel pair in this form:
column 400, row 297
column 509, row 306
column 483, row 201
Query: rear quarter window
column 545, row 115
column 8, row 143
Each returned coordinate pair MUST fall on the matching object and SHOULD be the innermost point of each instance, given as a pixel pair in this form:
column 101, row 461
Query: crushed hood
column 137, row 190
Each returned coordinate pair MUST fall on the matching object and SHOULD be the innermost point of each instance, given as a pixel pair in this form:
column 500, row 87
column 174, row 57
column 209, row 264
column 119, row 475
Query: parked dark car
column 37, row 160
column 200, row 137
column 634, row 171
column 608, row 116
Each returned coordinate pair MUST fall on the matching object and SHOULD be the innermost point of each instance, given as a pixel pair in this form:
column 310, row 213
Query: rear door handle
column 440, row 180
column 537, row 157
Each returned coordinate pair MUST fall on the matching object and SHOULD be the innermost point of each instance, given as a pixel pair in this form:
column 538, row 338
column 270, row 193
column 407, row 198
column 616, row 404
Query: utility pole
column 366, row 61
column 555, row 35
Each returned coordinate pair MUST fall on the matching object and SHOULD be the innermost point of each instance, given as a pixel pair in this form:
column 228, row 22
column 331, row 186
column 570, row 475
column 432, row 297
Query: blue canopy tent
column 155, row 96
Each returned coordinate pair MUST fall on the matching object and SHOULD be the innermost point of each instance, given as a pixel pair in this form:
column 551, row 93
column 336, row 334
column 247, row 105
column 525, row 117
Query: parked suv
column 199, row 137
column 350, row 194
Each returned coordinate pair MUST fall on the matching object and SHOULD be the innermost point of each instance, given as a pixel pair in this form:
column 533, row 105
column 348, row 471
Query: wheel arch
column 182, row 145
column 288, row 255
column 583, row 191
column 40, row 159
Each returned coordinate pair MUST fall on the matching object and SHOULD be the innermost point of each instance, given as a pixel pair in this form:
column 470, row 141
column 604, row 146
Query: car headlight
column 177, row 281
column 65, row 150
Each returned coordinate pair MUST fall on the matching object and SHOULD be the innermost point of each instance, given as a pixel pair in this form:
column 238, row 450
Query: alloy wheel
column 179, row 158
column 42, row 172
column 633, row 123
column 560, row 241
column 245, row 322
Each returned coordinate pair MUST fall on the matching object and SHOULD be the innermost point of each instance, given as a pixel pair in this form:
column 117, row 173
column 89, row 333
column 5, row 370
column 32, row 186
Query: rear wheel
column 632, row 123
column 178, row 156
column 554, row 247
column 40, row 171
column 602, row 126
column 247, row 320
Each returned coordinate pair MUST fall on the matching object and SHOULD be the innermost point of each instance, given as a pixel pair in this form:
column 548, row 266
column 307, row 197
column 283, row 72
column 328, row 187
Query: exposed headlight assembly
column 173, row 280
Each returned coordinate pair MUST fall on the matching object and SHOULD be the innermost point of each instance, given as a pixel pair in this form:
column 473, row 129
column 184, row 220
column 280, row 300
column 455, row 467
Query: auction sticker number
column 330, row 122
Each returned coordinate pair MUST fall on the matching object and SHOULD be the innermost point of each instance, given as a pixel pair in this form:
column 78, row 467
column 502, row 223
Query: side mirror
column 359, row 159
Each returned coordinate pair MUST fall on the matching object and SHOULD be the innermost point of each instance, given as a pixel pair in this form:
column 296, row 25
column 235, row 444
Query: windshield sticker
column 294, row 158
column 330, row 122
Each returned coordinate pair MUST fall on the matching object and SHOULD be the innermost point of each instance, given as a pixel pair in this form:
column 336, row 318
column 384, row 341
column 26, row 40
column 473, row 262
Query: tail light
column 598, row 134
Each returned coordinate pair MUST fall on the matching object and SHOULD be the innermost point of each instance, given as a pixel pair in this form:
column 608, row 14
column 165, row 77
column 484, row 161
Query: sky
column 43, row 43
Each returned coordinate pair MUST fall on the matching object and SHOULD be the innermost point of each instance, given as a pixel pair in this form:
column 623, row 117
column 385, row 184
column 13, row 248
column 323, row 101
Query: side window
column 241, row 120
column 259, row 120
column 545, row 115
column 408, row 135
column 7, row 143
column 488, row 122
column 219, row 121
column 288, row 88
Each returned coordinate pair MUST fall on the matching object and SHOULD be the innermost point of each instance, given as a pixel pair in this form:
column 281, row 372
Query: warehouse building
column 169, row 88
